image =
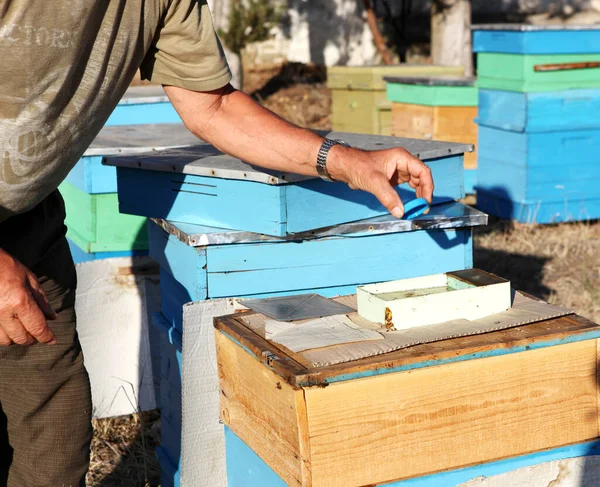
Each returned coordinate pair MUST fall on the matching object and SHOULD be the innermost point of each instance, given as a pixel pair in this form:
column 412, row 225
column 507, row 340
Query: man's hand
column 23, row 305
column 378, row 172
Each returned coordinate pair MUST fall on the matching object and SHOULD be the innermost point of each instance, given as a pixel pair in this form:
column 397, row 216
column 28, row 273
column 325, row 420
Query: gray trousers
column 45, row 401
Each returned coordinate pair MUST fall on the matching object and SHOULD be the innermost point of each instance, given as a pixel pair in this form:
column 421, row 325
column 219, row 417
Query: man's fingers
column 40, row 298
column 33, row 320
column 420, row 175
column 388, row 197
column 4, row 338
column 15, row 330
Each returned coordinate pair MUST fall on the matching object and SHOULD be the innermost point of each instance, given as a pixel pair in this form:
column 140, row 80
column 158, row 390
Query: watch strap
column 322, row 158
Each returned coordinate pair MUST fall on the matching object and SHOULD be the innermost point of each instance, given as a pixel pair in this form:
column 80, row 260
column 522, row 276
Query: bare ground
column 559, row 263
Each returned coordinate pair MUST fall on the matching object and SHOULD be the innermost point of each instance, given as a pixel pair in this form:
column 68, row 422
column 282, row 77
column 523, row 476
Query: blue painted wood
column 169, row 472
column 549, row 176
column 270, row 268
column 544, row 212
column 262, row 208
column 539, row 112
column 246, row 469
column 141, row 113
column 90, row 176
column 537, row 42
column 80, row 255
column 470, row 180
column 326, row 265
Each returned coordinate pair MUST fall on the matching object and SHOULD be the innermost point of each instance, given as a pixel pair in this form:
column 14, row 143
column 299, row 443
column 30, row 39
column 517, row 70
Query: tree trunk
column 451, row 34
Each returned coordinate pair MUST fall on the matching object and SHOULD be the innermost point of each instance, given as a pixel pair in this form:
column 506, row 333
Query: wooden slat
column 396, row 426
column 261, row 408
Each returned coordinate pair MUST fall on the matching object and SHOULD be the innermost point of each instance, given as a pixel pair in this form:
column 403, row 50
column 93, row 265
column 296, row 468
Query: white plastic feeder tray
column 438, row 298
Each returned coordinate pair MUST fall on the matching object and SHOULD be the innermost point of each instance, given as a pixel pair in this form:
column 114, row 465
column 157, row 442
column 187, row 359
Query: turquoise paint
column 143, row 113
column 246, row 469
column 537, row 42
column 240, row 270
column 540, row 112
column 224, row 203
column 269, row 268
column 542, row 212
column 185, row 262
column 470, row 180
column 79, row 255
column 90, row 176
column 263, row 208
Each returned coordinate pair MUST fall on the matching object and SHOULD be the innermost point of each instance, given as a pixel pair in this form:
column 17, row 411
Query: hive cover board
column 203, row 186
column 90, row 176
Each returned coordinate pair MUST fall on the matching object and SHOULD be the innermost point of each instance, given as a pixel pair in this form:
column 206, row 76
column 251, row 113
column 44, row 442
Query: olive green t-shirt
column 65, row 65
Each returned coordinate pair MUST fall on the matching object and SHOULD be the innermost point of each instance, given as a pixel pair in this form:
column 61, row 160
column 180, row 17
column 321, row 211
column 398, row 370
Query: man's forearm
column 239, row 126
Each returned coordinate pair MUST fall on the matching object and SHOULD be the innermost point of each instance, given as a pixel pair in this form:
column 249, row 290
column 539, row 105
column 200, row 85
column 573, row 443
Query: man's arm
column 237, row 125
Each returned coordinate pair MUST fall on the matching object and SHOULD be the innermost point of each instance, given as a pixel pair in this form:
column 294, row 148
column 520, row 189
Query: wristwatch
column 322, row 158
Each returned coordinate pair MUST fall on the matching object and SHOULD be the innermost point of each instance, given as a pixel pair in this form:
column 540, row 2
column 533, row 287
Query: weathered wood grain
column 406, row 424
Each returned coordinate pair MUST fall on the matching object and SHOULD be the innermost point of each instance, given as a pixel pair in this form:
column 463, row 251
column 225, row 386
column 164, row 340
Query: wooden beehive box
column 94, row 222
column 144, row 105
column 409, row 413
column 173, row 184
column 528, row 58
column 359, row 102
column 441, row 108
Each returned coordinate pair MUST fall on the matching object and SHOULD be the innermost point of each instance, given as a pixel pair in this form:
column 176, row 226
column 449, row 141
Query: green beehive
column 359, row 102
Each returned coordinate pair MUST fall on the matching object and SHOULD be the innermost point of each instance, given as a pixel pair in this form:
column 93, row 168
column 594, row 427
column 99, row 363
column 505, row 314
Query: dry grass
column 123, row 451
column 558, row 263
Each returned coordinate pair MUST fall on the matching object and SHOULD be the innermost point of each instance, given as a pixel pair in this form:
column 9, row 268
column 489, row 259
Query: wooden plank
column 539, row 112
column 514, row 72
column 411, row 120
column 513, row 340
column 261, row 409
column 555, row 41
column 451, row 416
column 265, row 268
column 246, row 469
column 542, row 212
column 372, row 77
column 432, row 95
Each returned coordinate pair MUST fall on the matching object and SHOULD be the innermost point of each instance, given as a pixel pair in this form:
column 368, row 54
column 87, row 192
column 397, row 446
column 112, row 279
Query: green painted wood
column 437, row 96
column 515, row 72
column 371, row 77
column 95, row 224
column 361, row 112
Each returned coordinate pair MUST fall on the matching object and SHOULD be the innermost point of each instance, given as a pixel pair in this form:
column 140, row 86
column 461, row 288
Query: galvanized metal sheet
column 532, row 28
column 205, row 161
column 444, row 216
column 135, row 139
column 144, row 94
column 297, row 307
column 432, row 81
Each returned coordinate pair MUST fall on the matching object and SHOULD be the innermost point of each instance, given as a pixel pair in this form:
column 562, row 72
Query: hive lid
column 432, row 81
column 144, row 94
column 533, row 28
column 206, row 160
column 372, row 77
column 444, row 216
column 346, row 347
column 132, row 139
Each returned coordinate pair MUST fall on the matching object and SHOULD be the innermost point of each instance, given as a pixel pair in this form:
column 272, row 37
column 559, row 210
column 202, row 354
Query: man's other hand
column 24, row 307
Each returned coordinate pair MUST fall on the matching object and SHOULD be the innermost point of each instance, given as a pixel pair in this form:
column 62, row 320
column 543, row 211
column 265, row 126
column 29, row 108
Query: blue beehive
column 538, row 150
column 235, row 195
column 235, row 257
column 258, row 266
column 96, row 229
column 143, row 105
